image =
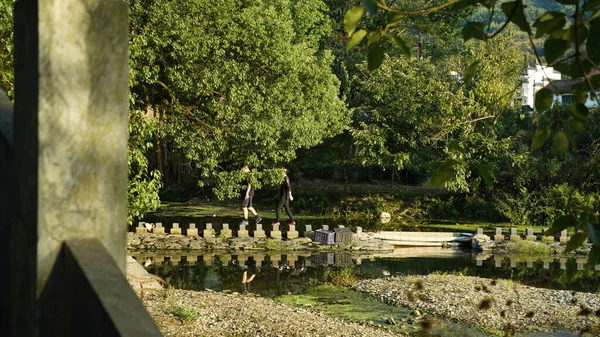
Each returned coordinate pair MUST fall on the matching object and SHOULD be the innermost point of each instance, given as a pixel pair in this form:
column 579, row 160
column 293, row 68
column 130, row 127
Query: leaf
column 549, row 22
column 580, row 92
column 560, row 223
column 371, row 6
column 561, row 143
column 594, row 233
column 474, row 30
column 594, row 255
column 576, row 125
column 352, row 18
column 486, row 173
column 591, row 5
column 593, row 41
column 579, row 111
column 374, row 57
column 402, row 45
column 554, row 49
column 576, row 241
column 444, row 173
column 465, row 3
column 514, row 12
column 374, row 37
column 564, row 67
column 393, row 19
column 543, row 99
column 489, row 4
column 356, row 38
column 539, row 138
column 471, row 71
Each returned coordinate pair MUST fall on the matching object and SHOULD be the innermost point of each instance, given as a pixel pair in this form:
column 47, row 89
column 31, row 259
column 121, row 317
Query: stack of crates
column 325, row 237
column 343, row 235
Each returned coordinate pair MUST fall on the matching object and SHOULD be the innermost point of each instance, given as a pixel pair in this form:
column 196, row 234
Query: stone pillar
column 292, row 233
column 309, row 233
column 325, row 227
column 224, row 259
column 546, row 238
column 546, row 264
column 514, row 235
column 275, row 259
column 529, row 264
column 175, row 260
column 498, row 261
column 597, row 267
column 192, row 230
column 191, row 259
column 275, row 233
column 241, row 258
column 359, row 230
column 159, row 229
column 141, row 228
column 242, row 232
column 176, row 229
column 513, row 264
column 529, row 236
column 479, row 231
column 581, row 262
column 259, row 232
column 564, row 238
column 259, row 260
column 499, row 236
column 226, row 232
column 208, row 259
column 209, row 232
column 563, row 263
column 159, row 259
column 341, row 226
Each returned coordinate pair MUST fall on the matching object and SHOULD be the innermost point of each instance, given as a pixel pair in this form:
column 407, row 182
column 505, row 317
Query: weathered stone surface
column 81, row 119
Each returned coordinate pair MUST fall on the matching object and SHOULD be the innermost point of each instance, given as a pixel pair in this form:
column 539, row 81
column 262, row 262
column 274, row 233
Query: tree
column 571, row 46
column 232, row 83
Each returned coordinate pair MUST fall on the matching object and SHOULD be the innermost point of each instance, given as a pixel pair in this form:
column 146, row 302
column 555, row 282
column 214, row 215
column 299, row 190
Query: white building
column 535, row 79
column 563, row 91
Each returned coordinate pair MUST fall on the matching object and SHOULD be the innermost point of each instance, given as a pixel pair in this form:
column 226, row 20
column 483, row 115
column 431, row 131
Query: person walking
column 285, row 196
column 247, row 195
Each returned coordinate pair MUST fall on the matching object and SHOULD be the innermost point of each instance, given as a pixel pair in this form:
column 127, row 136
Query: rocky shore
column 185, row 313
column 498, row 305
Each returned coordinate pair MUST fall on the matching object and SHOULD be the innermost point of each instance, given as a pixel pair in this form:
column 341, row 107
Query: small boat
column 425, row 239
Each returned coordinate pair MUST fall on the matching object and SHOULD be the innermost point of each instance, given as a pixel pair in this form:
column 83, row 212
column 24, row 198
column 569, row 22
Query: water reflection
column 281, row 273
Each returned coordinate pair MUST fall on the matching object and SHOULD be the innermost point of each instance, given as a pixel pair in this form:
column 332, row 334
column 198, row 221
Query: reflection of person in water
column 282, row 279
column 245, row 285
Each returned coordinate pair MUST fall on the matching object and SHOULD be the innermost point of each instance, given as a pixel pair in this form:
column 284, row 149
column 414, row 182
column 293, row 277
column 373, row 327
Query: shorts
column 247, row 203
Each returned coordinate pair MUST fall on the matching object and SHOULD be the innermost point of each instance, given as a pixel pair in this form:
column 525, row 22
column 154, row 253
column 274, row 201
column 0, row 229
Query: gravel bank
column 221, row 314
column 494, row 304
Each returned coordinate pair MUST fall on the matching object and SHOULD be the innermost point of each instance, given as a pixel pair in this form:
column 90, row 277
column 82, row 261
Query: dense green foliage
column 232, row 84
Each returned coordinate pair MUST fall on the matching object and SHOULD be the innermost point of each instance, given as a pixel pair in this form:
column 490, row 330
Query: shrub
column 523, row 247
column 341, row 277
column 185, row 313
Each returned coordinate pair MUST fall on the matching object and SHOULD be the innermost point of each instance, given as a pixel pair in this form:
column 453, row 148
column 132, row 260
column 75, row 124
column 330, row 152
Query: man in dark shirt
column 247, row 195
